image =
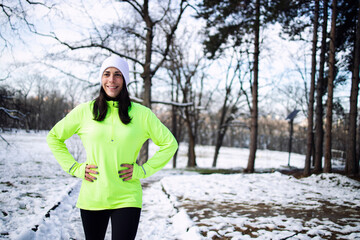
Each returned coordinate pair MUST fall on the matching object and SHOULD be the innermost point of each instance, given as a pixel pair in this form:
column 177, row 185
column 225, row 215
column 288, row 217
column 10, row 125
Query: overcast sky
column 278, row 57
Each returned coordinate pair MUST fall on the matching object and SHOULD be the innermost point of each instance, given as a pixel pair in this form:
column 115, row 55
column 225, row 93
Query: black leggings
column 124, row 223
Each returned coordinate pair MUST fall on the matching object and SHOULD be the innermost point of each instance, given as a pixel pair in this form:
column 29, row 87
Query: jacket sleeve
column 63, row 130
column 163, row 138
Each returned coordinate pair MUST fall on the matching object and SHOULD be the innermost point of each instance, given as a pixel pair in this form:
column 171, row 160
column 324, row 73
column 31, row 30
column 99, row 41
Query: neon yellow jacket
column 109, row 144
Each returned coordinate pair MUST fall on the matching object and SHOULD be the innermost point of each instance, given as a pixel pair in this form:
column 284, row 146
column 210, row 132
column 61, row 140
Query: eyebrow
column 107, row 71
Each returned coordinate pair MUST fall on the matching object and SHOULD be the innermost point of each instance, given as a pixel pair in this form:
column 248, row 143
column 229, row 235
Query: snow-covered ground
column 38, row 199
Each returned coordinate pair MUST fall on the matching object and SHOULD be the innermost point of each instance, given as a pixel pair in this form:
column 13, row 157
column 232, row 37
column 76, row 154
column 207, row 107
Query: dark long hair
column 101, row 107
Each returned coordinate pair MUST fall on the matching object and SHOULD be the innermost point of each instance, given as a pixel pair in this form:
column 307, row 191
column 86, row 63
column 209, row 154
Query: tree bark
column 191, row 147
column 310, row 133
column 319, row 131
column 254, row 109
column 329, row 107
column 221, row 129
column 174, row 131
column 174, row 119
column 147, row 75
column 352, row 163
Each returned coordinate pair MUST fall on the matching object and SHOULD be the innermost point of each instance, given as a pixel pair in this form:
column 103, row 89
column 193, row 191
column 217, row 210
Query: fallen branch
column 5, row 140
column 138, row 100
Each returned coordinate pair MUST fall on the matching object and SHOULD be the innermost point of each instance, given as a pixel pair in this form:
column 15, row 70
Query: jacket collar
column 113, row 104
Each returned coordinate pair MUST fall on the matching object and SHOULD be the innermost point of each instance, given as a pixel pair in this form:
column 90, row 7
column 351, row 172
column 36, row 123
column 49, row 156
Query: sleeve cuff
column 139, row 172
column 78, row 170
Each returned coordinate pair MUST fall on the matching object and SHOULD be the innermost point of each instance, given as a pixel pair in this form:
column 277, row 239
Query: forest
column 210, row 70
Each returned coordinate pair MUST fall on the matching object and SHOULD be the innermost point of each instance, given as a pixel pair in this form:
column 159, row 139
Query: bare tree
column 186, row 72
column 230, row 107
column 185, row 78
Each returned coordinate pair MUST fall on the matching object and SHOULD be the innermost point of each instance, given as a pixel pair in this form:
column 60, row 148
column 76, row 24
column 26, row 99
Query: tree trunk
column 174, row 131
column 218, row 144
column 329, row 107
column 174, row 119
column 254, row 109
column 191, row 148
column 310, row 137
column 146, row 75
column 319, row 131
column 221, row 129
column 352, row 164
column 291, row 125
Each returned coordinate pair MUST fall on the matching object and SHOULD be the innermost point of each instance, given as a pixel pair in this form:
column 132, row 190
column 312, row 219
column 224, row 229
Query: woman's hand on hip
column 88, row 170
column 126, row 174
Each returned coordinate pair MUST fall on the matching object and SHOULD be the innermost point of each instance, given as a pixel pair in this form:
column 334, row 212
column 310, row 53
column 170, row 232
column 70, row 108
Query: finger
column 88, row 179
column 126, row 176
column 91, row 171
column 127, row 179
column 90, row 176
column 91, row 166
column 130, row 170
column 127, row 165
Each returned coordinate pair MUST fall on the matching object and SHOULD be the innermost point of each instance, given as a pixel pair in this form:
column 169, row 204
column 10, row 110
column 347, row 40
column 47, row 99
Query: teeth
column 112, row 87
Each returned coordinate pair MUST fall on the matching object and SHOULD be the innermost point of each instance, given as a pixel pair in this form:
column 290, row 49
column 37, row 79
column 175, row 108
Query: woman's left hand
column 126, row 174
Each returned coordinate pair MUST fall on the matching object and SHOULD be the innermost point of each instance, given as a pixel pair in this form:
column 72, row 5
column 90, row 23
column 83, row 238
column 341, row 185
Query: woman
column 112, row 130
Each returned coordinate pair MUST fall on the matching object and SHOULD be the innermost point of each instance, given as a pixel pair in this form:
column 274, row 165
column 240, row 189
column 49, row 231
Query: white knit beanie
column 117, row 62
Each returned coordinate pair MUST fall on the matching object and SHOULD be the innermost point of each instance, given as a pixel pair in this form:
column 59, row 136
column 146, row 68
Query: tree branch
column 177, row 104
column 67, row 73
column 10, row 112
column 37, row 3
column 137, row 7
column 169, row 37
column 91, row 45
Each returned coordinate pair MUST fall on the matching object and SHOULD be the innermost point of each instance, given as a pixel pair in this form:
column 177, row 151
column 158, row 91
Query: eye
column 118, row 75
column 106, row 74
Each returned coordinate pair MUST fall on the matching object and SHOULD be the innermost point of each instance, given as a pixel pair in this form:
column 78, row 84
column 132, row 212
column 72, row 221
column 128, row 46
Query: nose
column 112, row 78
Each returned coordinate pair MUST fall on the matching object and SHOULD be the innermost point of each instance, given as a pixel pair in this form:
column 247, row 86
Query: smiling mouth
column 112, row 87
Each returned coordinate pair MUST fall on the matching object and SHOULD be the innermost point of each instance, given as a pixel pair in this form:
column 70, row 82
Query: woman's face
column 112, row 81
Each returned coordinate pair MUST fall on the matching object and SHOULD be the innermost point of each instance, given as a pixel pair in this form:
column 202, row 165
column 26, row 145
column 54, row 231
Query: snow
column 38, row 199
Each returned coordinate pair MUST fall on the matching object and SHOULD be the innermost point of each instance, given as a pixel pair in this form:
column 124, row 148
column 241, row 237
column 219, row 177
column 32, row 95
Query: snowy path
column 63, row 222
column 179, row 204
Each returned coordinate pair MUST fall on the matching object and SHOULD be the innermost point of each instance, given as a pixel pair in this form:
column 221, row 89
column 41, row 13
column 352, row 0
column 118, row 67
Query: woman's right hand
column 88, row 170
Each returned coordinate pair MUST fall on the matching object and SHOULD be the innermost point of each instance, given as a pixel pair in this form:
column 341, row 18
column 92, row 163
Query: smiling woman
column 112, row 130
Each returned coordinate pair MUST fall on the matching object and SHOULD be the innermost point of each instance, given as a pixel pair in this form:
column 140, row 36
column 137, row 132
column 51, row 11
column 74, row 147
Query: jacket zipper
column 112, row 121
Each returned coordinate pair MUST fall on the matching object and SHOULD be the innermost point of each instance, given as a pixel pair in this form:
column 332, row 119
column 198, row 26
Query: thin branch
column 131, row 31
column 37, row 3
column 92, row 21
column 137, row 7
column 246, row 95
column 3, row 79
column 164, row 15
column 5, row 140
column 67, row 73
column 92, row 45
column 169, row 37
